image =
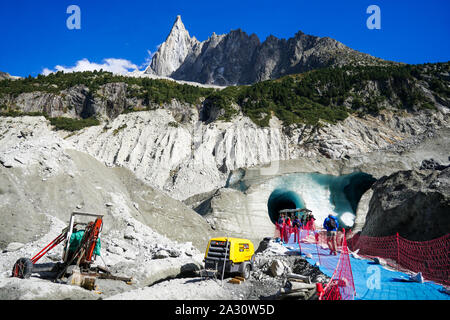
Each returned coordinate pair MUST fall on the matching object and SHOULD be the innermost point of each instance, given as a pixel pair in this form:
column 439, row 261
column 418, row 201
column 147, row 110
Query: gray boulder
column 414, row 203
column 14, row 246
column 161, row 254
column 277, row 268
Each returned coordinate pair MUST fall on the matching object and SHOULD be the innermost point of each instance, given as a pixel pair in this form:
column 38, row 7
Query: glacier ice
column 283, row 199
column 321, row 193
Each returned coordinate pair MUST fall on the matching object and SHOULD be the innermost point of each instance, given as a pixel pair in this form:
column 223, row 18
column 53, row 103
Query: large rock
column 361, row 211
column 72, row 103
column 277, row 268
column 414, row 203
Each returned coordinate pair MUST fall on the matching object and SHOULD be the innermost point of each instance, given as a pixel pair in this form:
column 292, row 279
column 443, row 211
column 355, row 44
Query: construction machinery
column 229, row 255
column 81, row 240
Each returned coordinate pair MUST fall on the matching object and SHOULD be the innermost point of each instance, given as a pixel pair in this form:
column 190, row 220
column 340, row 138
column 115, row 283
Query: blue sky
column 34, row 35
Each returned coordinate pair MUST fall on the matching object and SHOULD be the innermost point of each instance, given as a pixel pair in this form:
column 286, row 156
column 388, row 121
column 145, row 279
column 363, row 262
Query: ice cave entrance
column 283, row 199
column 321, row 193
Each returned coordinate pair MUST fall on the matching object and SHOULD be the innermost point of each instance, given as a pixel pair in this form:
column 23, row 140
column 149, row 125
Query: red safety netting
column 289, row 234
column 431, row 258
column 325, row 259
column 341, row 285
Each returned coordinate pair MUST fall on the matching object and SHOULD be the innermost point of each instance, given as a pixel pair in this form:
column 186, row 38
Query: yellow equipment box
column 238, row 255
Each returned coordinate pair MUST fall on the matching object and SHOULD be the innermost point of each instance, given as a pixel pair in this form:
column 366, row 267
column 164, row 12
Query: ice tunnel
column 321, row 193
column 282, row 199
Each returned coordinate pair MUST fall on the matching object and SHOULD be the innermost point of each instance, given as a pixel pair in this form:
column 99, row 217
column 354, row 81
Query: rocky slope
column 185, row 140
column 120, row 167
column 192, row 158
column 75, row 102
column 43, row 174
column 237, row 58
column 43, row 178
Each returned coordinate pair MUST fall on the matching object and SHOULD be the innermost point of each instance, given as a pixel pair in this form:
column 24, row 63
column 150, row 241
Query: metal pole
column 224, row 260
column 69, row 234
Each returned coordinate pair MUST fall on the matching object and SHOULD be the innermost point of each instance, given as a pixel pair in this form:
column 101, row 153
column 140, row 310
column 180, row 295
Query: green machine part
column 75, row 241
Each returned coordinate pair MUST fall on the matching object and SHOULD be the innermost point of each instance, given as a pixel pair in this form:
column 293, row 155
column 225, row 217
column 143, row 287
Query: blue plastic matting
column 373, row 281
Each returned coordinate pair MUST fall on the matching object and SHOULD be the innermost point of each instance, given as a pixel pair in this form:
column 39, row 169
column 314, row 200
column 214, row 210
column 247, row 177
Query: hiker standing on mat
column 287, row 230
column 331, row 225
column 296, row 224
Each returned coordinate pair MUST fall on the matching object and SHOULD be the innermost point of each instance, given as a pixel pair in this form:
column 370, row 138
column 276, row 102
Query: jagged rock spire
column 173, row 51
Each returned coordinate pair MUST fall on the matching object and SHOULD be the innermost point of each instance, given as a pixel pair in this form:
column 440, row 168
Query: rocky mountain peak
column 238, row 58
column 173, row 51
column 178, row 26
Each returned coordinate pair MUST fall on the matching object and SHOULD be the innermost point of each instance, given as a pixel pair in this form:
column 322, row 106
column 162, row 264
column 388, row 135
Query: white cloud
column 149, row 58
column 118, row 66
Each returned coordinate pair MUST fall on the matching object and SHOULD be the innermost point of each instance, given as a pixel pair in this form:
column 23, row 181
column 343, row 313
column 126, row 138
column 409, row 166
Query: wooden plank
column 297, row 280
column 293, row 295
column 235, row 281
column 301, row 286
column 298, row 276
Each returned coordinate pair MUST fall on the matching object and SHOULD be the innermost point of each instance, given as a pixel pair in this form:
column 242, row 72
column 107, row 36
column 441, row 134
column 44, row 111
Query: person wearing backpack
column 331, row 225
column 296, row 224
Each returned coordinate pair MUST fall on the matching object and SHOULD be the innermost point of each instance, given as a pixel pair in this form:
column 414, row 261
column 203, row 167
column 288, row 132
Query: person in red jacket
column 296, row 224
column 287, row 229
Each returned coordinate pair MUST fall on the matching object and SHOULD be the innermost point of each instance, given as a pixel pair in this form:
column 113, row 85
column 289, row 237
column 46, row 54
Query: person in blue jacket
column 331, row 225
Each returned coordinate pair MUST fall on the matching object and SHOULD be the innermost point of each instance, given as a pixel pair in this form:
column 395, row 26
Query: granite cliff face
column 78, row 101
column 239, row 58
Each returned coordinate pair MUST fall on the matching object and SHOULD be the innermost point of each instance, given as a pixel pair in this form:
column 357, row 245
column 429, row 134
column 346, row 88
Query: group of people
column 290, row 222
